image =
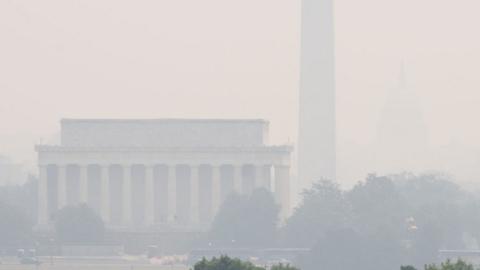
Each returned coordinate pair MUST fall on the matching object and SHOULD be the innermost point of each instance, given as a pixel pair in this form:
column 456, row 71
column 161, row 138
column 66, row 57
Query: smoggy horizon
column 112, row 59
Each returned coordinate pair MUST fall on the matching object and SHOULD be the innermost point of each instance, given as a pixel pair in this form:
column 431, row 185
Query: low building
column 159, row 175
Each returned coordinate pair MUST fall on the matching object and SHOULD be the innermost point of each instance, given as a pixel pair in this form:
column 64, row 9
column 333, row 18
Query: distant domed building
column 402, row 135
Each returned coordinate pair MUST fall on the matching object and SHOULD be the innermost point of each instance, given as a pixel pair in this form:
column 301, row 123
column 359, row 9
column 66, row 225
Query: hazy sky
column 229, row 59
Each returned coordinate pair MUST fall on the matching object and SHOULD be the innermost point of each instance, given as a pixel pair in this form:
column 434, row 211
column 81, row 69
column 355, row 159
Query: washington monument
column 317, row 143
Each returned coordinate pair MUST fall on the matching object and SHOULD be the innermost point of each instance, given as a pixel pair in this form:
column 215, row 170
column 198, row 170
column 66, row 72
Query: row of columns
column 281, row 190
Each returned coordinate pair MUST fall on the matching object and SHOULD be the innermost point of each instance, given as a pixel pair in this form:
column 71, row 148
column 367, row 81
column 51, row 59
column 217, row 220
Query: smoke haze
column 224, row 59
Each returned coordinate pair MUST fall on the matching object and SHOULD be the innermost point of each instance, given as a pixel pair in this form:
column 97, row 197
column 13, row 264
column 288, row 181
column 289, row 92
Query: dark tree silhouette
column 79, row 225
column 15, row 227
column 249, row 221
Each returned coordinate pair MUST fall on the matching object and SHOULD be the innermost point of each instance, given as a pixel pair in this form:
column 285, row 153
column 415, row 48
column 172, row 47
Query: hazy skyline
column 224, row 59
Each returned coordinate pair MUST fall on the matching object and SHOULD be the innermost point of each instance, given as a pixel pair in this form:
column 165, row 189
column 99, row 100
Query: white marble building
column 164, row 174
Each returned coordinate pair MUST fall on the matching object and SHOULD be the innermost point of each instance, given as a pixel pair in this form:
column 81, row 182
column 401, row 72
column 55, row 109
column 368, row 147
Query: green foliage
column 79, row 224
column 246, row 221
column 22, row 197
column 377, row 206
column 347, row 249
column 459, row 265
column 382, row 222
column 323, row 208
column 283, row 267
column 15, row 227
column 225, row 263
column 426, row 189
column 407, row 268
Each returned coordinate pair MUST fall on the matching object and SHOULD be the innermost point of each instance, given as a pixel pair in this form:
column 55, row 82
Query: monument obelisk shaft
column 317, row 123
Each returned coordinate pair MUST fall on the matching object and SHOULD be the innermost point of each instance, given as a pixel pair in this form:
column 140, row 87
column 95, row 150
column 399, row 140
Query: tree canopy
column 383, row 222
column 227, row 263
column 248, row 221
column 459, row 265
column 283, row 267
column 323, row 208
column 15, row 227
column 79, row 224
column 448, row 265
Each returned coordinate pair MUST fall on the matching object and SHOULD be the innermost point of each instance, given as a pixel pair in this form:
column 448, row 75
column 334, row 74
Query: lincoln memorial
column 162, row 174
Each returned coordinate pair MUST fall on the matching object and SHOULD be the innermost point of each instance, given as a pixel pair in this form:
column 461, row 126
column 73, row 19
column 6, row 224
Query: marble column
column 237, row 178
column 83, row 184
column 282, row 189
column 149, row 196
column 194, row 195
column 215, row 190
column 105, row 197
column 267, row 177
column 43, row 197
column 127, row 195
column 172, row 194
column 259, row 176
column 62, row 187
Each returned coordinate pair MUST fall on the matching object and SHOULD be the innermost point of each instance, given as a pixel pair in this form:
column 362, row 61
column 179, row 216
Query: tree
column 323, row 208
column 338, row 250
column 22, row 197
column 79, row 225
column 443, row 214
column 377, row 206
column 249, row 221
column 407, row 268
column 448, row 265
column 389, row 219
column 379, row 214
column 225, row 263
column 283, row 267
column 364, row 228
column 15, row 227
column 426, row 189
column 459, row 265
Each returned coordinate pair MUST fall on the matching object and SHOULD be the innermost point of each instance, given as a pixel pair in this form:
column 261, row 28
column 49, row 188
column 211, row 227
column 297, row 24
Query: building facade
column 164, row 174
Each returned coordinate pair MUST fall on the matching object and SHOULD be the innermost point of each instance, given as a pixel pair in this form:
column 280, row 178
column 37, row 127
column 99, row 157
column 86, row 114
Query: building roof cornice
column 163, row 120
column 273, row 148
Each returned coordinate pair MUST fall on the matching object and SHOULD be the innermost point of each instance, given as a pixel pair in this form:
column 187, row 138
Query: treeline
column 226, row 263
column 381, row 223
column 17, row 214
